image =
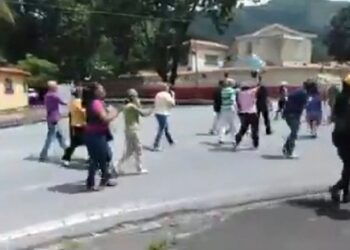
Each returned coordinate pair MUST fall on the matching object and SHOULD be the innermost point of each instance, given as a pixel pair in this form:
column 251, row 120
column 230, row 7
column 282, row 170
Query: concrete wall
column 19, row 97
column 272, row 78
column 296, row 51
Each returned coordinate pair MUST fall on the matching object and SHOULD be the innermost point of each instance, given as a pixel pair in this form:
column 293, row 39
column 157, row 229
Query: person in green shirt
column 133, row 147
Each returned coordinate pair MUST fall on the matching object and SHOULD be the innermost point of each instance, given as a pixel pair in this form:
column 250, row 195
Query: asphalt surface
column 305, row 224
column 33, row 193
column 310, row 223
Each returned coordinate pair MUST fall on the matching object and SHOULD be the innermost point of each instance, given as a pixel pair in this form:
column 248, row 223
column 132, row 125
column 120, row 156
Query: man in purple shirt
column 52, row 104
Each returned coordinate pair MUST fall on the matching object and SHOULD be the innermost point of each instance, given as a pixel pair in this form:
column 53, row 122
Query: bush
column 161, row 245
column 41, row 70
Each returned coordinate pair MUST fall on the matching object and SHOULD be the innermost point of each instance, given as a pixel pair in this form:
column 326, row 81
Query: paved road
column 308, row 223
column 33, row 193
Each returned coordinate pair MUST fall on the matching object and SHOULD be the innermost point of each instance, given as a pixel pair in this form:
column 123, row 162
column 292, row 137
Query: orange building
column 13, row 89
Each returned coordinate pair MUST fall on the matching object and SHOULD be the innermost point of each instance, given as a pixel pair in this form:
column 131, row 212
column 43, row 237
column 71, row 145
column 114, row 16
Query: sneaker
column 108, row 184
column 143, row 171
column 65, row 163
column 42, row 159
column 235, row 147
column 212, row 132
column 293, row 156
column 156, row 149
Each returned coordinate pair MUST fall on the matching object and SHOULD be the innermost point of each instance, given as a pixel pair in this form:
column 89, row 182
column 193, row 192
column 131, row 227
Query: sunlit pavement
column 193, row 174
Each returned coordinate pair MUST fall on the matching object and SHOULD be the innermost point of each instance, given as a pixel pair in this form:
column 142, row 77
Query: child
column 132, row 112
column 314, row 111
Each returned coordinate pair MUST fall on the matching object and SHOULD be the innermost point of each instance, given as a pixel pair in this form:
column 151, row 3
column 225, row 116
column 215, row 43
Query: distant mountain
column 304, row 15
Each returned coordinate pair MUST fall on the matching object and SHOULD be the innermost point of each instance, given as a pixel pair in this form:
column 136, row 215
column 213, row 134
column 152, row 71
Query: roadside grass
column 159, row 245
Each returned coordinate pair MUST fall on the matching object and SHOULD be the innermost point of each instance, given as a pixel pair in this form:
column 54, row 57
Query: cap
column 284, row 83
column 347, row 80
column 132, row 93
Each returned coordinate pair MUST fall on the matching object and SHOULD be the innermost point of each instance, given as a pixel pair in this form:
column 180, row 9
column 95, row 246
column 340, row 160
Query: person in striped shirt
column 227, row 111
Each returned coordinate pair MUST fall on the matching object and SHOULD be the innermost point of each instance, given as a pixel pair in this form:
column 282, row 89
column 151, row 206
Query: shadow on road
column 322, row 207
column 204, row 134
column 69, row 188
column 305, row 138
column 76, row 164
column 273, row 157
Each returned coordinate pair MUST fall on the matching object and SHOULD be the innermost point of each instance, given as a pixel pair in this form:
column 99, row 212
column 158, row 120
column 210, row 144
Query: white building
column 276, row 45
column 204, row 55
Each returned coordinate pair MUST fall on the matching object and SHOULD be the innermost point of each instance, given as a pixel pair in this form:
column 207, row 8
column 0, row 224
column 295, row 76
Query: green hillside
column 304, row 15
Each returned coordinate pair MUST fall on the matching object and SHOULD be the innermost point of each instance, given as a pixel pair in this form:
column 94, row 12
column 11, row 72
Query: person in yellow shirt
column 77, row 121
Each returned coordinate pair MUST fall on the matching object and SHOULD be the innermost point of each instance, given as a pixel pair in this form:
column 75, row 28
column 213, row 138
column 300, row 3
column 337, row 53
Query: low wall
column 200, row 86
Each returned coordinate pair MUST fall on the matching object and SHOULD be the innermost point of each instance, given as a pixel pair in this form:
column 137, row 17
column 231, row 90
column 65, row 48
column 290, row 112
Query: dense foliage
column 105, row 38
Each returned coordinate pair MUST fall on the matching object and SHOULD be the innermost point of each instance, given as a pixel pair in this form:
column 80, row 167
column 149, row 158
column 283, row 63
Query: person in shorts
column 314, row 110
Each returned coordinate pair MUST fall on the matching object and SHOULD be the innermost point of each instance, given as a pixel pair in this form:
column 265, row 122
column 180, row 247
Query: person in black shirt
column 341, row 140
column 216, row 107
column 262, row 102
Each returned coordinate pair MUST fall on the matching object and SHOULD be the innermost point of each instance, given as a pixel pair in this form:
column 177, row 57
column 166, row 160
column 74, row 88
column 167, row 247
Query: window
column 212, row 60
column 9, row 86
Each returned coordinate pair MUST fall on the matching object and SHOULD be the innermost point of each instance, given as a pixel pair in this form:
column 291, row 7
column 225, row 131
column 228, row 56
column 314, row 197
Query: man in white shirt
column 163, row 103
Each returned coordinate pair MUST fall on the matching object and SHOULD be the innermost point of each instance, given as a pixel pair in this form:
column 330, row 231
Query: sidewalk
column 196, row 174
column 307, row 223
column 21, row 117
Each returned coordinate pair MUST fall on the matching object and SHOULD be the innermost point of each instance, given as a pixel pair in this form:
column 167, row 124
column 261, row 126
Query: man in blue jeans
column 52, row 103
column 163, row 103
column 292, row 114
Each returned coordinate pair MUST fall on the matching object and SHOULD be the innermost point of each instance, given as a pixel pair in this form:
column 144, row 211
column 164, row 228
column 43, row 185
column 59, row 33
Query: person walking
column 332, row 94
column 292, row 114
column 341, row 140
column 97, row 136
column 77, row 123
column 283, row 95
column 262, row 103
column 216, row 107
column 52, row 104
column 246, row 103
column 314, row 110
column 133, row 147
column 227, row 112
column 163, row 103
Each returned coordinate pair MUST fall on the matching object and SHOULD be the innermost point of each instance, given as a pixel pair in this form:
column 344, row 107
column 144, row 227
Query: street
column 37, row 198
column 310, row 222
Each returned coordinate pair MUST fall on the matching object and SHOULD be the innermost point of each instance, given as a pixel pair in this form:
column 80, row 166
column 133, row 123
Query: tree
column 338, row 39
column 170, row 30
column 41, row 70
column 5, row 12
column 62, row 31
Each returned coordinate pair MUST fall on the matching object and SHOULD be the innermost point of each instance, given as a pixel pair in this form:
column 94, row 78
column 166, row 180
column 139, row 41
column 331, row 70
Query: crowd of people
column 89, row 125
column 90, row 119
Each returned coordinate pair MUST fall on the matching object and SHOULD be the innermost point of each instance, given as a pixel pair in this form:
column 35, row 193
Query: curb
column 104, row 220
